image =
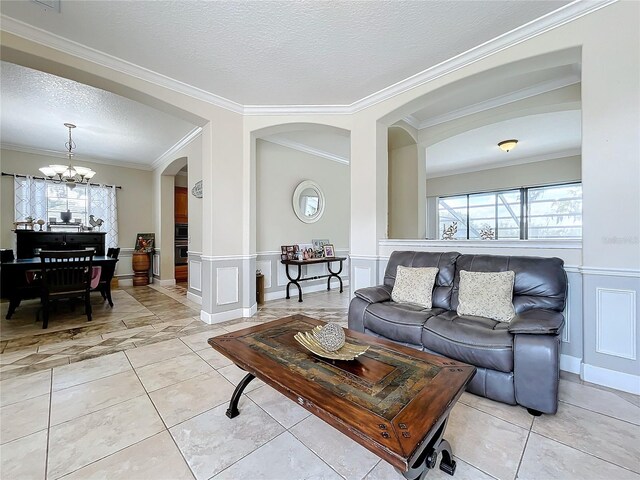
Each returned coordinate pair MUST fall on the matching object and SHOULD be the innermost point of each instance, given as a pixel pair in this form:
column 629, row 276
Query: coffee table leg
column 427, row 458
column 233, row 411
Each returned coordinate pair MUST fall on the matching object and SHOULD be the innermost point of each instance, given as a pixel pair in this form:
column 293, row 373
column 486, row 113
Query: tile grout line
column 46, row 455
column 166, row 429
column 524, row 450
column 583, row 451
column 314, row 453
column 600, row 413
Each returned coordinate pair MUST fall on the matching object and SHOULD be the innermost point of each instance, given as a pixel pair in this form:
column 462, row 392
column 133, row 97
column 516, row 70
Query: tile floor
column 139, row 394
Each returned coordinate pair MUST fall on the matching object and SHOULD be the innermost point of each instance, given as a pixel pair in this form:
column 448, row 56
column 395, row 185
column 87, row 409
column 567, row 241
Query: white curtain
column 30, row 200
column 101, row 203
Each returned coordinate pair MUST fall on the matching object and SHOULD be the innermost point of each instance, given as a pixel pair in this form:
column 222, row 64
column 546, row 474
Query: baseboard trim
column 570, row 364
column 293, row 291
column 213, row 318
column 165, row 283
column 611, row 378
column 251, row 311
column 194, row 298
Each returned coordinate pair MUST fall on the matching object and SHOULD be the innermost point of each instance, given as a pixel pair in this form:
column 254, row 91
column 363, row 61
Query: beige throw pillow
column 487, row 294
column 414, row 285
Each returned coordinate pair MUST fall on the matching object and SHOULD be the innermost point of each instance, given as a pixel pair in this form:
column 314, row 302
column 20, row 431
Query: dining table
column 15, row 285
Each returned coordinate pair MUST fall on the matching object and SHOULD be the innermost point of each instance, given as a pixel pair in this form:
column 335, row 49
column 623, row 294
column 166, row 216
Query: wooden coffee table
column 393, row 400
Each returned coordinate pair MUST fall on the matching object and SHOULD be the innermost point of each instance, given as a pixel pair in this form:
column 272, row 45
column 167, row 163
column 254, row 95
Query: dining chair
column 65, row 274
column 104, row 286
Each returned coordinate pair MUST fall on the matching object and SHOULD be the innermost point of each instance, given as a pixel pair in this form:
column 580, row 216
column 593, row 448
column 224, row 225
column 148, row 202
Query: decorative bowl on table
column 65, row 216
column 316, row 343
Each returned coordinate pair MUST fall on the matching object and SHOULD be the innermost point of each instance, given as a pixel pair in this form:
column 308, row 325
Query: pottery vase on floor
column 141, row 264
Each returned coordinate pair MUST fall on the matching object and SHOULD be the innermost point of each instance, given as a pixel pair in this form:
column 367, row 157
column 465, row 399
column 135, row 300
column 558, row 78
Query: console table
column 28, row 240
column 312, row 261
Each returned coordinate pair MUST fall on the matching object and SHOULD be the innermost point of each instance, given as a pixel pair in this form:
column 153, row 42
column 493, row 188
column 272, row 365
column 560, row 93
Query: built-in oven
column 182, row 231
column 181, row 256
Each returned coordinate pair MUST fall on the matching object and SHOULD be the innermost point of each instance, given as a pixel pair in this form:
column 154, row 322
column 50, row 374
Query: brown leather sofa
column 517, row 362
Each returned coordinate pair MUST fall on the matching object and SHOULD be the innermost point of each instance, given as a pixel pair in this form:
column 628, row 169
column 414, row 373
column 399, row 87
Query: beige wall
column 181, row 181
column 135, row 212
column 558, row 170
column 279, row 171
column 403, row 192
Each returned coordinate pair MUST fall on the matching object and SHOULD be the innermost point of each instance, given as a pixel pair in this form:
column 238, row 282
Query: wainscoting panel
column 155, row 265
column 227, row 287
column 362, row 277
column 616, row 322
column 195, row 275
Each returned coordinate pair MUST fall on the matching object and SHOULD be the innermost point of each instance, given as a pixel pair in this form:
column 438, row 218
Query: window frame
column 523, row 223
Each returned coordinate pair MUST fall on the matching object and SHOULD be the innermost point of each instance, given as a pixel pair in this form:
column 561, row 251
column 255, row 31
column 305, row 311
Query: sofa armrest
column 380, row 293
column 537, row 321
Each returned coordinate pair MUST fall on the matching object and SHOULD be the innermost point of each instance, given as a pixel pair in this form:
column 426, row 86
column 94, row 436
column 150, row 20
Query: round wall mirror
column 308, row 201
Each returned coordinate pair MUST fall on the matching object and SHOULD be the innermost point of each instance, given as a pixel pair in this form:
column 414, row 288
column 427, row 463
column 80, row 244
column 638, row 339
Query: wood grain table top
column 391, row 399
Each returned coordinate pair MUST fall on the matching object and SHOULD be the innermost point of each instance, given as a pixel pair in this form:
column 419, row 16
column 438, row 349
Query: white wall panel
column 616, row 322
column 195, row 275
column 362, row 278
column 227, row 287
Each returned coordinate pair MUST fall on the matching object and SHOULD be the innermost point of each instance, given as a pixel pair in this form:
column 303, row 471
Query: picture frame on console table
column 328, row 250
column 318, row 245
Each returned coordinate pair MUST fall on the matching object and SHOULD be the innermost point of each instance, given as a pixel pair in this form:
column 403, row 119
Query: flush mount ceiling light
column 507, row 145
column 68, row 174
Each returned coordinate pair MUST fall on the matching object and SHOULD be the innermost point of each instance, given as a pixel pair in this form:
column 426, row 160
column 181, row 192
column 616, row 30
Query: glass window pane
column 452, row 215
column 482, row 215
column 555, row 212
column 509, row 214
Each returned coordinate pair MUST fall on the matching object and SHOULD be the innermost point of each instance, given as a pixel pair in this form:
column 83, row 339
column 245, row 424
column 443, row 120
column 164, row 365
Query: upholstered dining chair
column 104, row 286
column 65, row 274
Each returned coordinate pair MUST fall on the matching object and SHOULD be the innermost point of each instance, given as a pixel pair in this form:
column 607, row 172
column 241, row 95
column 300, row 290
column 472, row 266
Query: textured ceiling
column 110, row 128
column 283, row 52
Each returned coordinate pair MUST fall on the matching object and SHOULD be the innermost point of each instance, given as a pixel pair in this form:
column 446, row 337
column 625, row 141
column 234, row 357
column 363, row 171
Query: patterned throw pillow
column 414, row 285
column 487, row 294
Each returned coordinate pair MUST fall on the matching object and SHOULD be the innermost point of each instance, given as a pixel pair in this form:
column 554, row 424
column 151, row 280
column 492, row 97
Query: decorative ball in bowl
column 330, row 337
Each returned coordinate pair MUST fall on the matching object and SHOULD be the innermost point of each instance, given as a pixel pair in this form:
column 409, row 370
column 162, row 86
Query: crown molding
column 501, row 100
column 413, row 121
column 297, row 110
column 306, row 149
column 76, row 158
column 536, row 27
column 183, row 142
column 34, row 34
column 519, row 161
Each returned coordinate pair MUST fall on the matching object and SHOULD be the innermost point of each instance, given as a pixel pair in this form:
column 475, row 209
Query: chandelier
column 68, row 173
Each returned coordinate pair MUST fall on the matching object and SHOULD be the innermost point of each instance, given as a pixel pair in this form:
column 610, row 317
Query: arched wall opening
column 406, row 185
column 165, row 272
column 282, row 157
column 145, row 192
column 458, row 125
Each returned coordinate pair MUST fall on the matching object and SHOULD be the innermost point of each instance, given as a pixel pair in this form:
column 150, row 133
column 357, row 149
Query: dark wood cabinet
column 182, row 273
column 28, row 241
column 181, row 203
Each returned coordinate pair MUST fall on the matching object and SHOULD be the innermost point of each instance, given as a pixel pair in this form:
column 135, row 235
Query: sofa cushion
column 539, row 283
column 446, row 263
column 476, row 340
column 486, row 294
column 400, row 322
column 414, row 285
